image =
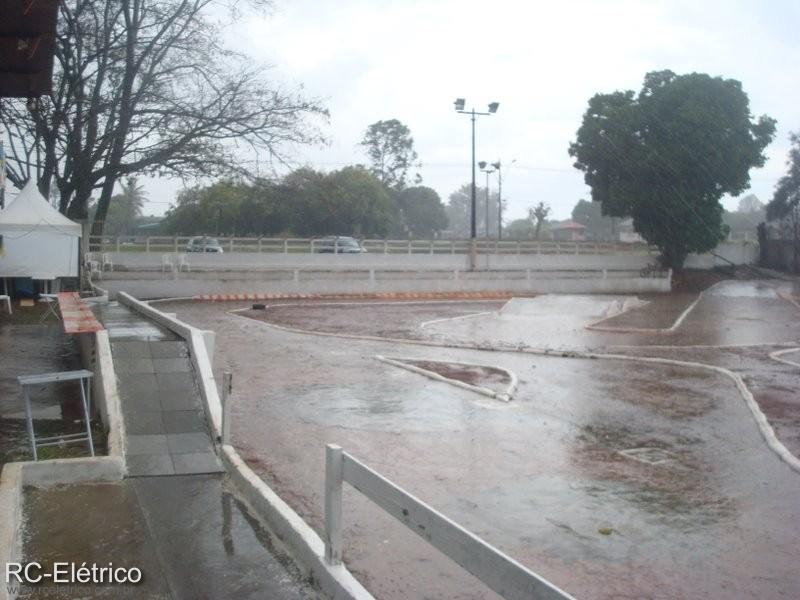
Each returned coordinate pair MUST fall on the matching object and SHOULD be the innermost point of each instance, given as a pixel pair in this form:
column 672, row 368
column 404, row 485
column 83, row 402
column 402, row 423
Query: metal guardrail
column 161, row 244
column 498, row 571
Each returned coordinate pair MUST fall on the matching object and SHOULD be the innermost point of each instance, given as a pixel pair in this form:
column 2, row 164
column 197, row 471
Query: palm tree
column 125, row 208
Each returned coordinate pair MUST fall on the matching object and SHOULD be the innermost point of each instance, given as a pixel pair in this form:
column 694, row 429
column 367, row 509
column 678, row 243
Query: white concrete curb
column 335, row 581
column 777, row 356
column 425, row 324
column 505, row 396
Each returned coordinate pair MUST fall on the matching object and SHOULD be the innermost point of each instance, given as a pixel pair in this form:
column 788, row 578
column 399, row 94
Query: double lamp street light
column 460, row 108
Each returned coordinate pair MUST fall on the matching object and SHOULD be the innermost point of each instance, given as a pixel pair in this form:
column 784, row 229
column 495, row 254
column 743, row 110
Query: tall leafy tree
column 598, row 226
column 147, row 86
column 538, row 215
column 785, row 203
column 667, row 155
column 459, row 209
column 126, row 207
column 391, row 153
column 422, row 211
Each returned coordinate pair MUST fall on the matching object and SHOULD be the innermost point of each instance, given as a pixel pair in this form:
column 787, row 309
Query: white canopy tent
column 37, row 240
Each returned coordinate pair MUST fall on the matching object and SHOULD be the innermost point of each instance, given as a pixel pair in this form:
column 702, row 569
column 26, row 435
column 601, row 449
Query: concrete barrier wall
column 96, row 356
column 154, row 285
column 253, row 261
column 738, row 253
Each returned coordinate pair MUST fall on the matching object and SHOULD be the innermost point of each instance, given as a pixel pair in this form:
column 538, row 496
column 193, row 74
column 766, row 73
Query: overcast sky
column 380, row 59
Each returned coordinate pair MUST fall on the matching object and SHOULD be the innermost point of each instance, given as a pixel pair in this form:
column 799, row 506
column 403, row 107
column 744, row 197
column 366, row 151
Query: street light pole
column 482, row 165
column 460, row 108
column 497, row 165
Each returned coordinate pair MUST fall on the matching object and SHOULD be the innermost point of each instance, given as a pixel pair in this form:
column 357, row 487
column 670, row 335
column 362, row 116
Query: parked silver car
column 338, row 244
column 204, row 244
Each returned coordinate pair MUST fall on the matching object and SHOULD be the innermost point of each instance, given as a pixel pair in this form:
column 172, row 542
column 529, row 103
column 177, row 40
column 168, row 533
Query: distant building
column 627, row 234
column 568, row 231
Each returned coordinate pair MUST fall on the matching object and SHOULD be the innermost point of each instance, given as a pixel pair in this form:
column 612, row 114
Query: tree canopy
column 786, row 198
column 459, row 208
column 391, row 153
column 422, row 211
column 667, row 156
column 147, row 86
column 598, row 226
column 305, row 202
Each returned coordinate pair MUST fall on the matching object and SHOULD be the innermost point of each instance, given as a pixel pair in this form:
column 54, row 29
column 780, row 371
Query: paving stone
column 150, row 464
column 144, row 422
column 171, row 365
column 168, row 349
column 147, row 444
column 179, row 399
column 175, row 381
column 134, row 383
column 198, row 462
column 139, row 399
column 130, row 349
column 186, row 443
column 183, row 421
column 134, row 365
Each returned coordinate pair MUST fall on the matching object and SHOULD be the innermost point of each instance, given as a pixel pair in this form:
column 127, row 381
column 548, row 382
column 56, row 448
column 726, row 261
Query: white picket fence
column 177, row 244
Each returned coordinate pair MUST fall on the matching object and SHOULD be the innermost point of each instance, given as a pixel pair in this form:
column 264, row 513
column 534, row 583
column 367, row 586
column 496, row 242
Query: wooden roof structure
column 27, row 44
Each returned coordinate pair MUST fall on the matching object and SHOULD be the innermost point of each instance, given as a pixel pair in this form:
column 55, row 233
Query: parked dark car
column 204, row 244
column 339, row 245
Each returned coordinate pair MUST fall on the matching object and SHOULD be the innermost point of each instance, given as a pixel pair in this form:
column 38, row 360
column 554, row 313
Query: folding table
column 84, row 377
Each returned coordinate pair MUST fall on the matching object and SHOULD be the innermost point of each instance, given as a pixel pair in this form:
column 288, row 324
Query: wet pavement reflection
column 611, row 478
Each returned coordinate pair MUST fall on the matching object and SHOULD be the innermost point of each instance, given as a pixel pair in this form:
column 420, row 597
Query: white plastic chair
column 166, row 263
column 183, row 262
column 91, row 263
column 7, row 299
column 107, row 262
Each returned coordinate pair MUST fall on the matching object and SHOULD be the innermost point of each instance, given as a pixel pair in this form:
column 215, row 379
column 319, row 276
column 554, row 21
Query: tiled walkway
column 165, row 425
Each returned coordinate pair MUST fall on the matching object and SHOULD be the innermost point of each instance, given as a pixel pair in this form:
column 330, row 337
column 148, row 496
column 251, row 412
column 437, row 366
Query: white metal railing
column 175, row 244
column 498, row 571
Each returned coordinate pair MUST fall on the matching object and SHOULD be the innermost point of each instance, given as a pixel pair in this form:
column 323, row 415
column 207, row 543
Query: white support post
column 118, row 244
column 285, row 246
column 227, row 388
column 333, row 504
column 260, row 245
column 175, row 244
column 386, row 246
column 147, row 244
column 409, row 246
column 431, row 251
column 296, row 275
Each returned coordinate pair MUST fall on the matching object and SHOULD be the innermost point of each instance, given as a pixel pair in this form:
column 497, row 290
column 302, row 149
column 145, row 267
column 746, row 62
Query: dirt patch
column 471, row 374
column 385, row 319
column 675, row 488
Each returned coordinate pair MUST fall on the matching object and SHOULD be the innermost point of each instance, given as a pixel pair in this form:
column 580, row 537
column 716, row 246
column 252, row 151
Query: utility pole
column 482, row 165
column 460, row 108
column 497, row 165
